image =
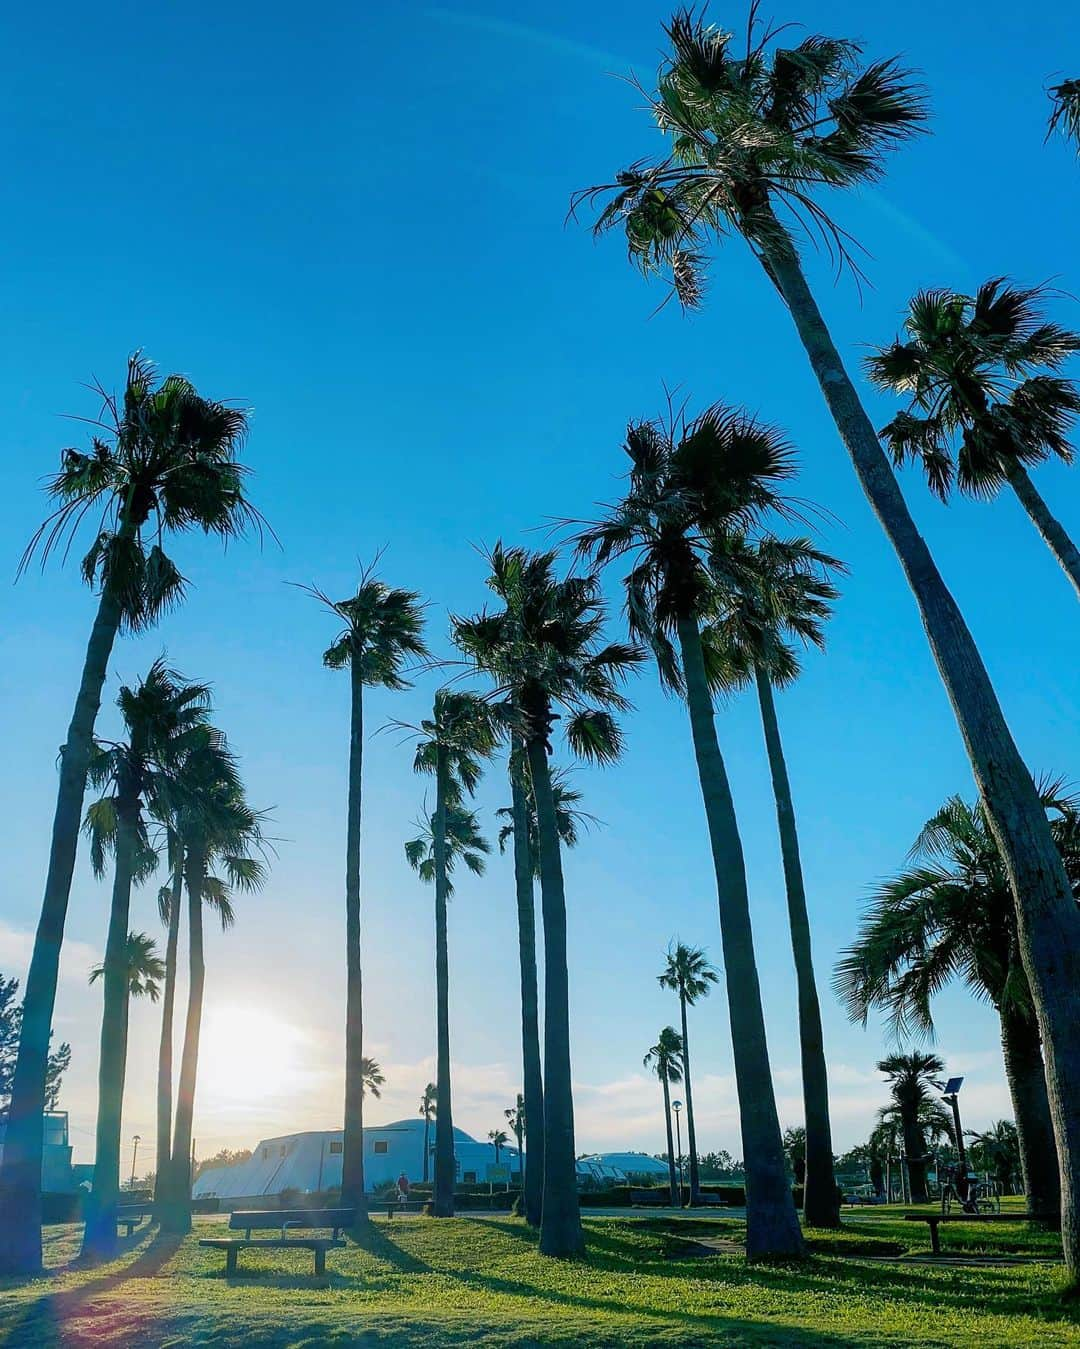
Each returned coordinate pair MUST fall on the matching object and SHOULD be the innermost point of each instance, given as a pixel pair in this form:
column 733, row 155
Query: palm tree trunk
column 165, row 1045
column 772, row 1225
column 176, row 1214
column 821, row 1203
column 533, row 1084
column 20, row 1170
column 691, row 1135
column 427, row 1145
column 560, row 1220
column 99, row 1234
column 914, row 1147
column 1047, row 914
column 1031, row 1110
column 1049, row 526
column 673, row 1182
column 352, row 1160
column 445, row 1167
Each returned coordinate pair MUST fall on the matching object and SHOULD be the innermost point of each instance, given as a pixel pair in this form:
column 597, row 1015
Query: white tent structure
column 309, row 1162
column 622, row 1168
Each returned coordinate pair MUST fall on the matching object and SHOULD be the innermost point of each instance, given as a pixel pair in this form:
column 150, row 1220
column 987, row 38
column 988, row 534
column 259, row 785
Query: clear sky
column 354, row 222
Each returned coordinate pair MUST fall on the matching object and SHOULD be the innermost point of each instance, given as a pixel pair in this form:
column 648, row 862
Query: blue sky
column 356, row 227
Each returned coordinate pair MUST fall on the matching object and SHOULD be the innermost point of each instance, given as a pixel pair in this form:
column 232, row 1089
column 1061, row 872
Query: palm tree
column 949, row 915
column 383, row 629
column 757, row 130
column 1065, row 115
column 543, row 651
column 665, row 1058
column 987, row 399
column 165, row 463
column 773, row 593
column 428, row 1105
column 164, row 720
column 215, row 825
column 145, row 971
column 516, row 1118
column 690, row 482
column 498, row 1138
column 371, row 1077
column 997, row 1149
column 910, row 1077
column 461, row 733
column 521, row 826
column 688, row 972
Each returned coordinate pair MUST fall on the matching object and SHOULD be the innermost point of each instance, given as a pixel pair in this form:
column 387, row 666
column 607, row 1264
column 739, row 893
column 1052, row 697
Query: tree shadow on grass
column 46, row 1319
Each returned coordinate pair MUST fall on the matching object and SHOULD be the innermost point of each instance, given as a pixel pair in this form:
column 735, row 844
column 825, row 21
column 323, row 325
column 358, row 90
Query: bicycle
column 983, row 1197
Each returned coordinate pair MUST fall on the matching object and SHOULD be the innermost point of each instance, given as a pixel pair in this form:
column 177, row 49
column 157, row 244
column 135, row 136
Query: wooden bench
column 285, row 1221
column 130, row 1216
column 934, row 1220
column 393, row 1206
column 654, row 1198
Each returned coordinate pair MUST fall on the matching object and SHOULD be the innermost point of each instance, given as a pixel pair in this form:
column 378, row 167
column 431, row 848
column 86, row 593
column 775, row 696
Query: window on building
column 336, row 1145
column 284, row 1149
column 381, row 1146
column 469, row 1178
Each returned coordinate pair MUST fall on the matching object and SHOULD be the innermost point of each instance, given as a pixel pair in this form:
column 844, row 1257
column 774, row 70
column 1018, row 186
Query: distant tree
column 997, row 1151
column 795, row 1147
column 225, row 1157
column 498, row 1138
column 689, row 973
column 427, row 1109
column 371, row 1077
column 1065, row 113
column 515, row 1118
column 910, row 1077
column 719, row 1165
column 665, row 1058
column 10, row 1027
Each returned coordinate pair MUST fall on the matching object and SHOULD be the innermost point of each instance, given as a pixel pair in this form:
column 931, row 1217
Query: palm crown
column 690, row 481
column 543, row 650
column 1065, row 114
column 429, row 1101
column 464, row 843
column 981, row 373
column 688, row 971
column 568, row 818
column 751, row 125
column 665, row 1057
column 462, row 732
column 382, row 630
column 910, row 1077
column 209, row 811
column 145, row 969
column 166, row 455
column 371, row 1077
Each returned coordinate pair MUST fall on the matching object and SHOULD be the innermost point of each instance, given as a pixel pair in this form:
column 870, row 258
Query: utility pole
column 677, row 1107
column 134, row 1154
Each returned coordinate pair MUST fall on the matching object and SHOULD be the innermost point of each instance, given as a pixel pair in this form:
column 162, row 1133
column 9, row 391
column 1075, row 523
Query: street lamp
column 951, row 1092
column 677, row 1107
column 134, row 1154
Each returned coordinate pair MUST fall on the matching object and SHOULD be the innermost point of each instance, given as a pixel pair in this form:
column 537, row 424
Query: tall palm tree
column 1065, row 114
column 216, row 825
column 428, row 1106
column 910, row 1077
column 759, row 130
column 987, row 398
column 461, row 733
column 145, row 971
column 665, row 1059
column 949, row 915
column 516, row 1118
column 217, row 895
column 773, row 593
column 498, row 1138
column 688, row 972
column 543, row 651
column 521, row 826
column 690, row 482
column 165, row 719
column 371, row 1076
column 164, row 463
column 383, row 630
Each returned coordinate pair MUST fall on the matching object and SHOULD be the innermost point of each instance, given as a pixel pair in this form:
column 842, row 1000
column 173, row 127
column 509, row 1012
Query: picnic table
column 130, row 1216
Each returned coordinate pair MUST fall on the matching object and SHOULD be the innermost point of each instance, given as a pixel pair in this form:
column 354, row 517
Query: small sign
column 498, row 1173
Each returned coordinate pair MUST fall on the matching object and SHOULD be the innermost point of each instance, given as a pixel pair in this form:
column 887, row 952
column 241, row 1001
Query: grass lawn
column 480, row 1281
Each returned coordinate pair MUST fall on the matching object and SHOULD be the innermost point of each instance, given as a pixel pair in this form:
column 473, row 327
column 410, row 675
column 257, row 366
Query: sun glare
column 247, row 1054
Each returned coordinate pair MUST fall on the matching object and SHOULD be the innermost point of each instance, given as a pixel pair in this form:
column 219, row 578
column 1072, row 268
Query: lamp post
column 677, row 1107
column 134, row 1154
column 951, row 1092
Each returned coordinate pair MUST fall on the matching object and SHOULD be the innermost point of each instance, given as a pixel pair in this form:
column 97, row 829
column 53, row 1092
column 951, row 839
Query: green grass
column 480, row 1281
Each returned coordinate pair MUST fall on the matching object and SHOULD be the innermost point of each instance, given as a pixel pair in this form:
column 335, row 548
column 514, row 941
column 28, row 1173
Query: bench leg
column 230, row 1259
column 935, row 1239
column 320, row 1260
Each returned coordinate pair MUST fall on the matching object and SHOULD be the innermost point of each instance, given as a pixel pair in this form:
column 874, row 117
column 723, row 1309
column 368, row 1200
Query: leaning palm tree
column 543, row 652
column 216, row 826
column 665, row 1058
column 949, row 915
column 689, row 973
column 772, row 594
column 910, row 1078
column 516, row 1118
column 164, row 463
column 521, row 826
column 428, row 1107
column 460, row 735
column 987, row 399
column 756, row 134
column 690, row 482
column 1065, row 113
column 371, row 1076
column 383, row 630
column 164, row 719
